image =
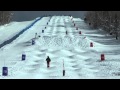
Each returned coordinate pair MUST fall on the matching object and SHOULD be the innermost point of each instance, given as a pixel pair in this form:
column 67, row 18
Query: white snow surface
column 80, row 60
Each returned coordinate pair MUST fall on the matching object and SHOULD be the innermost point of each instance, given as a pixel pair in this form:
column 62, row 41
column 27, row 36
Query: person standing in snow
column 48, row 61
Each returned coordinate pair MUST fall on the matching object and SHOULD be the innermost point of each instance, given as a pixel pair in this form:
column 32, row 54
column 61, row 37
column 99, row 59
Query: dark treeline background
column 106, row 20
column 5, row 17
column 30, row 15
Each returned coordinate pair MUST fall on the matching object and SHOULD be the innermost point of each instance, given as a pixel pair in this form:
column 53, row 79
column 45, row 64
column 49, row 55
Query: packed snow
column 9, row 30
column 80, row 60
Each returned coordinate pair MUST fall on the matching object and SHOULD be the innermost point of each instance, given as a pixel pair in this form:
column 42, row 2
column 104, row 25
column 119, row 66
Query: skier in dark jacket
column 48, row 61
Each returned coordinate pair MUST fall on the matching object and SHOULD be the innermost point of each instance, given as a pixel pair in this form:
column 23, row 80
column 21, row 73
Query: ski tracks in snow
column 80, row 60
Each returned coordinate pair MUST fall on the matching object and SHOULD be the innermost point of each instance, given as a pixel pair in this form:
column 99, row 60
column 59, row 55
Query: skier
column 48, row 61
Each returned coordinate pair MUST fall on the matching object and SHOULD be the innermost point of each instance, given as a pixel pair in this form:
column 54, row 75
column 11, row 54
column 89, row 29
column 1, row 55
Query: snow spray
column 63, row 69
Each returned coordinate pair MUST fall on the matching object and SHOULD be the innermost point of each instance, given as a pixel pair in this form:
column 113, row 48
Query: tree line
column 106, row 20
column 5, row 17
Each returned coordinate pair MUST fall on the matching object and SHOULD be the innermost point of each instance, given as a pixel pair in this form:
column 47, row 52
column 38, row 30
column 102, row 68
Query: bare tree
column 5, row 17
column 107, row 20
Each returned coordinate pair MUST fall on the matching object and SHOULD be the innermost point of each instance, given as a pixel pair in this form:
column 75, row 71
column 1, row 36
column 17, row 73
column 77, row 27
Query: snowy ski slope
column 80, row 60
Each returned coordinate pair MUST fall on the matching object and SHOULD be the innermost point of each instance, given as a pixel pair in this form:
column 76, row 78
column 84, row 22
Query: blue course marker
column 23, row 57
column 21, row 32
column 33, row 41
column 5, row 71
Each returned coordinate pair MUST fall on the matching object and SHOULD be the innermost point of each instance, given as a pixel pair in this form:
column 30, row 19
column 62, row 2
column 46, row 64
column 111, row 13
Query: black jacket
column 48, row 59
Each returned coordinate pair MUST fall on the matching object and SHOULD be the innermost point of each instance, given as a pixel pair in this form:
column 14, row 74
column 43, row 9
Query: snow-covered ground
column 80, row 60
column 9, row 30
